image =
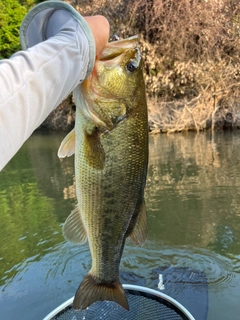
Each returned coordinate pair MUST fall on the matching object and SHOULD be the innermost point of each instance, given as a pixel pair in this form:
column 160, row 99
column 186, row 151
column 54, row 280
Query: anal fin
column 73, row 228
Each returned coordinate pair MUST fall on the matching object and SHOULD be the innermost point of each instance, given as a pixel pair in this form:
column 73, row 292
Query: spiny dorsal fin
column 91, row 290
column 67, row 147
column 139, row 233
column 73, row 228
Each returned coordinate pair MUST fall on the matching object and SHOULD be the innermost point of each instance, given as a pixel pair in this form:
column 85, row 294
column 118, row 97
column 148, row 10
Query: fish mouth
column 116, row 48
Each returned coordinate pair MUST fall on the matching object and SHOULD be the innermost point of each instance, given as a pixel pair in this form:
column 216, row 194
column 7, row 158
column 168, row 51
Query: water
column 193, row 202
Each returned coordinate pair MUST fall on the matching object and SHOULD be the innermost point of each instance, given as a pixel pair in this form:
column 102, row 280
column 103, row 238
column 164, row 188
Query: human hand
column 100, row 28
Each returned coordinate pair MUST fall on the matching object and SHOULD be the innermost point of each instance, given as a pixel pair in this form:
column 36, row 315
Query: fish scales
column 113, row 190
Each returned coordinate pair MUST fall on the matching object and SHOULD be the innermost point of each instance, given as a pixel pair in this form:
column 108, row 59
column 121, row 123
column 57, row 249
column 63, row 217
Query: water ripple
column 219, row 270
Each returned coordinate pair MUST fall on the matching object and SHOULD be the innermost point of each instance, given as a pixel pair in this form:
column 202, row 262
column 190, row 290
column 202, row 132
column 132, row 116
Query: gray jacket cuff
column 33, row 26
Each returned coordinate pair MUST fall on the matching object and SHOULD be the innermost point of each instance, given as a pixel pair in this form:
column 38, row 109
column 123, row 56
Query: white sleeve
column 35, row 81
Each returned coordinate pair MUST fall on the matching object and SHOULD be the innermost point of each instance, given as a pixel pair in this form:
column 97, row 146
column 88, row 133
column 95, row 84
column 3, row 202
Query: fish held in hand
column 110, row 142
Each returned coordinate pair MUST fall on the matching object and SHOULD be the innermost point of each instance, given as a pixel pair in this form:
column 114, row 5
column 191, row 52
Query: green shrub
column 11, row 16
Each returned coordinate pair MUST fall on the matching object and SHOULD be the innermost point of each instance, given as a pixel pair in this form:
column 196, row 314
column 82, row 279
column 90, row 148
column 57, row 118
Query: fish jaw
column 115, row 48
column 110, row 56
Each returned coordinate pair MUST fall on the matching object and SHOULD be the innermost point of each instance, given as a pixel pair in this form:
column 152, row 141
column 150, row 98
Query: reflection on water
column 193, row 204
column 196, row 180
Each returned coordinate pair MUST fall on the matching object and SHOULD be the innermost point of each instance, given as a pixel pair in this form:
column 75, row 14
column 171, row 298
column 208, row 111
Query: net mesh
column 142, row 305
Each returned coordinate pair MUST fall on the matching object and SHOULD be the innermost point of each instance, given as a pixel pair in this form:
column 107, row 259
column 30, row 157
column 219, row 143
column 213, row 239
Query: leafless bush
column 191, row 53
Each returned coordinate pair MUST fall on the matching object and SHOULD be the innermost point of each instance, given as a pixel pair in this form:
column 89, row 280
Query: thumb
column 100, row 28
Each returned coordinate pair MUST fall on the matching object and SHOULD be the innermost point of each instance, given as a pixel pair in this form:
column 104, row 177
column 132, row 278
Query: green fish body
column 110, row 141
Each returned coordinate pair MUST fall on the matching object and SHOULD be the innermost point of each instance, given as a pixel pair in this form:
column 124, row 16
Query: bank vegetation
column 191, row 57
column 191, row 60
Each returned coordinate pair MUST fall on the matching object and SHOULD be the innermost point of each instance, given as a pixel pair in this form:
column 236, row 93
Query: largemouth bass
column 110, row 141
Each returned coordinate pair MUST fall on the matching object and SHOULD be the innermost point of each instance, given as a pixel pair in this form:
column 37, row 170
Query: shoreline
column 163, row 117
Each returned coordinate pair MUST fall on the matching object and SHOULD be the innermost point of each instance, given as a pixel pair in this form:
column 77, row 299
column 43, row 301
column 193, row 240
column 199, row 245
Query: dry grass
column 191, row 53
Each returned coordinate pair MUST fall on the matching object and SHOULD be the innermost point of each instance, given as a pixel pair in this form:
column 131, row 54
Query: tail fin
column 90, row 291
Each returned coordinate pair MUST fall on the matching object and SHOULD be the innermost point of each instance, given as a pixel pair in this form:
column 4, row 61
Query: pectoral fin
column 139, row 233
column 93, row 150
column 73, row 228
column 67, row 147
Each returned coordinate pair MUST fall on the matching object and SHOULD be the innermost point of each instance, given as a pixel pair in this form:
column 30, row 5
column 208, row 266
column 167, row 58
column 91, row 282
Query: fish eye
column 131, row 66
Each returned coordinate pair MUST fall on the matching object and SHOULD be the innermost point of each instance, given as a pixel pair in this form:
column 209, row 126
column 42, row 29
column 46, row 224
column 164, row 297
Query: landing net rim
column 133, row 288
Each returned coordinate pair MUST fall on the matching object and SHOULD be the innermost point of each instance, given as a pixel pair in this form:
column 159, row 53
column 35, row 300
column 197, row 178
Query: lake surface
column 193, row 204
